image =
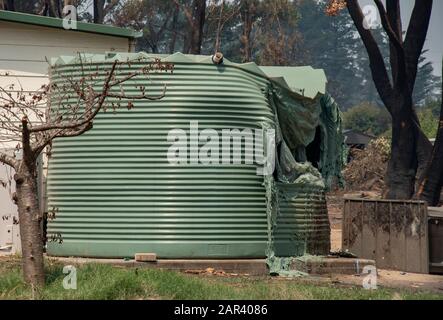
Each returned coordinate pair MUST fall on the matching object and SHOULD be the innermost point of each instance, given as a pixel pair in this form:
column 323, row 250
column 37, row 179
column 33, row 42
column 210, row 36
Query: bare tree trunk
column 174, row 29
column 30, row 219
column 424, row 150
column 247, row 52
column 7, row 5
column 402, row 166
column 44, row 8
column 186, row 43
column 155, row 35
column 51, row 8
column 245, row 39
column 423, row 145
column 29, row 213
column 99, row 15
column 430, row 188
column 193, row 41
column 409, row 146
column 55, row 9
column 154, row 45
column 11, row 5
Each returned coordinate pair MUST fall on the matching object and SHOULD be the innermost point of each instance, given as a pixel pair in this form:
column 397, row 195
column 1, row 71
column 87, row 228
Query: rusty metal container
column 393, row 233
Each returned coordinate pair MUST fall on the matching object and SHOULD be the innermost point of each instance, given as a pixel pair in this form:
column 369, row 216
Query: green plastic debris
column 282, row 266
column 310, row 153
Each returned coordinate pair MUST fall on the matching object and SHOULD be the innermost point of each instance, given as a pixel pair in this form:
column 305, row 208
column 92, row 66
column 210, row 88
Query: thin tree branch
column 416, row 37
column 376, row 61
column 187, row 12
column 139, row 97
column 400, row 63
column 10, row 161
column 38, row 147
column 101, row 99
column 394, row 16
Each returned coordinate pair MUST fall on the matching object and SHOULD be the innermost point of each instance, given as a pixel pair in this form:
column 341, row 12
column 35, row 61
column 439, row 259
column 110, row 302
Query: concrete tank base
column 252, row 267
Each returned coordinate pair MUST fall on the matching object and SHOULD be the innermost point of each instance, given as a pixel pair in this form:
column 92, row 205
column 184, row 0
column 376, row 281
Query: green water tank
column 116, row 193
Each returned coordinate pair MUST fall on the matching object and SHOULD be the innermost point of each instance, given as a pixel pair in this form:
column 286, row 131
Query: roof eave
column 57, row 23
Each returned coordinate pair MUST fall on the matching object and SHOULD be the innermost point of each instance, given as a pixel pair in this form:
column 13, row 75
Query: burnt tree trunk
column 55, row 8
column 410, row 148
column 248, row 12
column 7, row 5
column 196, row 22
column 99, row 16
column 30, row 219
column 174, row 29
column 430, row 188
column 424, row 149
column 402, row 166
column 157, row 34
column 51, row 8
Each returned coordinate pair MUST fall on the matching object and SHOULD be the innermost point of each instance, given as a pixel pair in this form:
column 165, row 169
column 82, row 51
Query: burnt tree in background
column 410, row 147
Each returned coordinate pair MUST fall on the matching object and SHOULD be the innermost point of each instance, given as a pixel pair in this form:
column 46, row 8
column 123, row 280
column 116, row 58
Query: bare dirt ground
column 335, row 207
column 386, row 278
column 397, row 279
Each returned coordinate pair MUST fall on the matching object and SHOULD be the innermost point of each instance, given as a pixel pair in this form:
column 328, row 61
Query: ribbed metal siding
column 302, row 225
column 116, row 193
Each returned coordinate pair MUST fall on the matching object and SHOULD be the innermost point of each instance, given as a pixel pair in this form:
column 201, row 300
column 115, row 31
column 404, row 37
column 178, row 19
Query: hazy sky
column 434, row 41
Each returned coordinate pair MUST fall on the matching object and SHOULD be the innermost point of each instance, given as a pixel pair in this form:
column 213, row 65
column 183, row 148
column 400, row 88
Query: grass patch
column 105, row 282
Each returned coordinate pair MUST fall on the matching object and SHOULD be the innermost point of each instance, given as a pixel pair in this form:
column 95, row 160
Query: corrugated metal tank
column 302, row 225
column 116, row 194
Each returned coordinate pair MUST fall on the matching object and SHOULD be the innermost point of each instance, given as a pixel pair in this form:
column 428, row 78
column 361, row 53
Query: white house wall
column 24, row 51
column 8, row 230
column 24, row 48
